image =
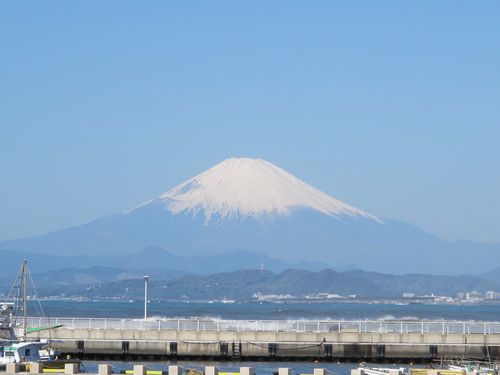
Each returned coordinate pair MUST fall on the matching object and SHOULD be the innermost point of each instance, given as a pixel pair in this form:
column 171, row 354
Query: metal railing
column 401, row 327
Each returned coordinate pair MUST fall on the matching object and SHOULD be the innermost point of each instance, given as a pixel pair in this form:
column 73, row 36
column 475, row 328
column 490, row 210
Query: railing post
column 71, row 368
column 104, row 369
column 175, row 370
column 12, row 368
column 211, row 370
column 36, row 368
column 140, row 370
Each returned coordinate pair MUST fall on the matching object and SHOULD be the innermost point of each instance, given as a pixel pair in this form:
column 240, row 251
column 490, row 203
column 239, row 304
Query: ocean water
column 271, row 311
column 260, row 368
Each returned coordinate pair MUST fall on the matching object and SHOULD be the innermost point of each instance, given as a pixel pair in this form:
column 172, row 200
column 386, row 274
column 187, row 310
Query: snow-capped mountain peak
column 249, row 187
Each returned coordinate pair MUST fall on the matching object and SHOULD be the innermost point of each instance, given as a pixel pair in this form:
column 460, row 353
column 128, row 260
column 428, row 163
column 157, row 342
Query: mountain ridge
column 243, row 284
column 150, row 260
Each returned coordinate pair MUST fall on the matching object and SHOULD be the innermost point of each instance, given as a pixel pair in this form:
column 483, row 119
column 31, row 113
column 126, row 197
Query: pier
column 381, row 341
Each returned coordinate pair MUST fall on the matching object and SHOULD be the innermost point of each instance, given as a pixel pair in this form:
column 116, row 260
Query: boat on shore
column 371, row 369
column 445, row 368
column 21, row 348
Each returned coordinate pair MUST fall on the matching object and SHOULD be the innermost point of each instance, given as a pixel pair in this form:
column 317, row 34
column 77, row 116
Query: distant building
column 328, row 295
column 473, row 296
column 490, row 295
column 271, row 297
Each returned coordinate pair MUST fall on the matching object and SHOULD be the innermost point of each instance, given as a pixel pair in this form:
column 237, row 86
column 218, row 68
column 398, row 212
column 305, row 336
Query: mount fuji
column 254, row 206
column 249, row 188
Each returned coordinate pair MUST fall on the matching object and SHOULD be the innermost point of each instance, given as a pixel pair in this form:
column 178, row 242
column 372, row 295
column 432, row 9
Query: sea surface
column 260, row 368
column 264, row 311
column 270, row 311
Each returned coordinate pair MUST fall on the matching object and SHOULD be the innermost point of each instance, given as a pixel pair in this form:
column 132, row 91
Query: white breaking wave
column 249, row 187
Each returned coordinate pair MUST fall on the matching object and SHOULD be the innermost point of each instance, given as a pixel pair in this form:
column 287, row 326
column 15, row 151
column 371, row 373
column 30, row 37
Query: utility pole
column 146, row 278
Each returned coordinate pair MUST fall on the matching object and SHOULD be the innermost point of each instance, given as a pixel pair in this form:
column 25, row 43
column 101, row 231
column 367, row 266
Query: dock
column 228, row 340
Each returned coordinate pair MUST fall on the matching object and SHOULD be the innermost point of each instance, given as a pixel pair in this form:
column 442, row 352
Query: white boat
column 20, row 352
column 474, row 366
column 369, row 369
column 6, row 325
column 455, row 368
column 14, row 349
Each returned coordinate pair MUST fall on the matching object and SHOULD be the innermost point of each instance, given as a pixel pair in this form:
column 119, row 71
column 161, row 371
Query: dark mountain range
column 243, row 284
column 493, row 274
column 52, row 270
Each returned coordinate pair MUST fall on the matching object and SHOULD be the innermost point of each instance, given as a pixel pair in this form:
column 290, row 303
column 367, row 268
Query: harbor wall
column 334, row 346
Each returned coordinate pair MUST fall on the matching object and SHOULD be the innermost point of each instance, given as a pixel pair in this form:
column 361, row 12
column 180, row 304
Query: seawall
column 344, row 344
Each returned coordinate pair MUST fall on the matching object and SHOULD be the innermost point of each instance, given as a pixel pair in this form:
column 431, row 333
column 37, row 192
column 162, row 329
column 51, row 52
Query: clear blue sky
column 391, row 106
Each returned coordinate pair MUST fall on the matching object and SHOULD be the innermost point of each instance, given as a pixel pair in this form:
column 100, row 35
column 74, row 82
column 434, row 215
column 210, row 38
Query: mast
column 19, row 291
column 25, row 306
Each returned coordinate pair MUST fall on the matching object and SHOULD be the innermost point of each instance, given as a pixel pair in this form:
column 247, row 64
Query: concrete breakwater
column 323, row 341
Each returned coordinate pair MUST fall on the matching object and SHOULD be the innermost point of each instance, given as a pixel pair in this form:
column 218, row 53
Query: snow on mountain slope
column 249, row 187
